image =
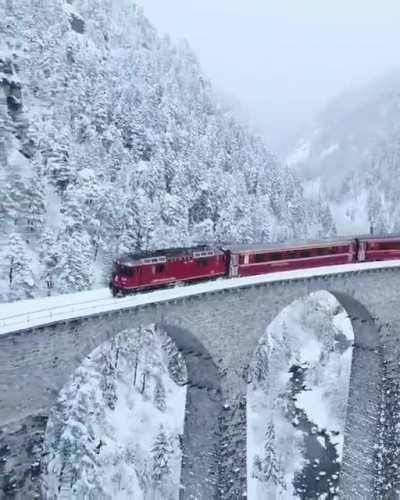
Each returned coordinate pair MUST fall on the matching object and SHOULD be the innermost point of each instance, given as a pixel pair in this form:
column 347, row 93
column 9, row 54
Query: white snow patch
column 329, row 150
column 351, row 215
column 316, row 406
column 300, row 154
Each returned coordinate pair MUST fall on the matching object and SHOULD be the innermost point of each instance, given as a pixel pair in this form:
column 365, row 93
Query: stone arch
column 201, row 438
column 357, row 469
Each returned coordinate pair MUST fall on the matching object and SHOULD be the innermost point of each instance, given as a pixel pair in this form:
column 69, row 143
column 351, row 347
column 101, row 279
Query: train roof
column 307, row 243
column 137, row 257
column 288, row 244
column 379, row 237
column 134, row 258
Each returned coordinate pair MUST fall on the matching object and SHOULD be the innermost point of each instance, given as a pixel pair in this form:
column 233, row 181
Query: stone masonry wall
column 36, row 363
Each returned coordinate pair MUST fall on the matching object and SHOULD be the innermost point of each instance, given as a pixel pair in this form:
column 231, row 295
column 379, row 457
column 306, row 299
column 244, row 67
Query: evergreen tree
column 160, row 457
column 271, row 469
column 260, row 369
column 76, row 260
column 21, row 280
column 159, row 395
column 257, row 469
column 50, row 257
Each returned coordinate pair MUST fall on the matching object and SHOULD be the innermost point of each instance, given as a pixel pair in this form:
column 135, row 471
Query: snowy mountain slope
column 352, row 157
column 112, row 139
column 114, row 432
column 297, row 400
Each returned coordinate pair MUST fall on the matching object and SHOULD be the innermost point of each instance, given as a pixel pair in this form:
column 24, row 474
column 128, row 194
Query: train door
column 362, row 247
column 234, row 266
column 138, row 277
column 353, row 255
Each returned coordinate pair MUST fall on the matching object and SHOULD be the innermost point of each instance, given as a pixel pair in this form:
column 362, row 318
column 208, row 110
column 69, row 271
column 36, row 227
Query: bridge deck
column 16, row 316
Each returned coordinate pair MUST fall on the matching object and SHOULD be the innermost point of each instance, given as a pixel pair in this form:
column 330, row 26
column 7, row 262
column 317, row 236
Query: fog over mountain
column 285, row 60
column 351, row 156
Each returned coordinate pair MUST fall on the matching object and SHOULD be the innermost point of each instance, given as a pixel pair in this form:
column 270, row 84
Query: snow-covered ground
column 115, row 430
column 296, row 401
column 299, row 155
column 351, row 215
column 34, row 312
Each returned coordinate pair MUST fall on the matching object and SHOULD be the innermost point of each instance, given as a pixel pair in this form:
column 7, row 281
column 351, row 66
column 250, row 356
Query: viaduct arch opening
column 201, row 433
column 359, row 412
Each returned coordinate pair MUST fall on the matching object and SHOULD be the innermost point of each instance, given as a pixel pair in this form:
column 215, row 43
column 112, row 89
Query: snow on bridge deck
column 23, row 314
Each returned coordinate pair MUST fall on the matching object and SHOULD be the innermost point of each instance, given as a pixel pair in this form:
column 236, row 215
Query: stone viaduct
column 217, row 332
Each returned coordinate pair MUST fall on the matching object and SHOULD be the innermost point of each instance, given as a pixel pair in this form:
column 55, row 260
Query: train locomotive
column 150, row 270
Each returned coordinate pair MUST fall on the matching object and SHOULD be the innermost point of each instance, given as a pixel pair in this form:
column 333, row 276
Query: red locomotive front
column 148, row 270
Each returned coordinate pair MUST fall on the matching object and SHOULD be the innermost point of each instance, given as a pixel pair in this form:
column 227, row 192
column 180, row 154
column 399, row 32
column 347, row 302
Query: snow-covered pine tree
column 327, row 225
column 76, row 262
column 17, row 267
column 271, row 468
column 160, row 457
column 257, row 468
column 261, row 366
column 159, row 397
column 49, row 258
column 176, row 362
column 108, row 377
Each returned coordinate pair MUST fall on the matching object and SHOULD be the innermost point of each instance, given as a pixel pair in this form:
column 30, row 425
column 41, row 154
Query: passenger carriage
column 260, row 259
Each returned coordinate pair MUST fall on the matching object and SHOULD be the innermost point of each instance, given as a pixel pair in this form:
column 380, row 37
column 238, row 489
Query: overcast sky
column 283, row 59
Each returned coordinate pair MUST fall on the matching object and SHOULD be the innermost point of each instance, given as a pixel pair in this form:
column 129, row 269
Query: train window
column 160, row 268
column 388, row 245
column 125, row 271
column 241, row 259
column 203, row 262
column 291, row 254
column 305, row 253
column 259, row 257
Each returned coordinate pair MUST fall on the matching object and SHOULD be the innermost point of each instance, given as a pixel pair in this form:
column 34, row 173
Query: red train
column 149, row 270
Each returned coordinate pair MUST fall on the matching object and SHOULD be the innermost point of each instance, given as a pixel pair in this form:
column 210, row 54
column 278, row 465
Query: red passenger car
column 260, row 259
column 139, row 271
column 373, row 248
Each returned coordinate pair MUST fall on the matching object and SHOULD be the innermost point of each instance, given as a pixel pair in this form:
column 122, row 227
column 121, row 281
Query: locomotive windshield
column 122, row 270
